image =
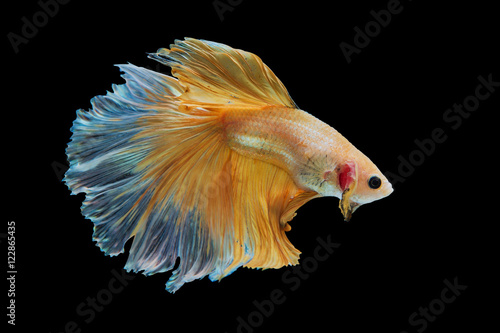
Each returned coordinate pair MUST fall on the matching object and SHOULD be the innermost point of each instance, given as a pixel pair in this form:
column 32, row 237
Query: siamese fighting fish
column 208, row 165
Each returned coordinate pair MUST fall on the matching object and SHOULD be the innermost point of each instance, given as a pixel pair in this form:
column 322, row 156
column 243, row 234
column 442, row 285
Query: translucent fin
column 155, row 166
column 215, row 73
column 265, row 201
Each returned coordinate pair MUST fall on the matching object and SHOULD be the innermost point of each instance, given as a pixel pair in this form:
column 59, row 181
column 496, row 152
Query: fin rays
column 215, row 73
column 152, row 160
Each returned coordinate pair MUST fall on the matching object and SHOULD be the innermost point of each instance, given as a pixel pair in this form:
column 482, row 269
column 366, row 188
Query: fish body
column 311, row 151
column 208, row 165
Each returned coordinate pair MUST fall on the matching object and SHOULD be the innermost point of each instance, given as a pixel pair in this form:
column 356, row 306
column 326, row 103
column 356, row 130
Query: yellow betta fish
column 208, row 166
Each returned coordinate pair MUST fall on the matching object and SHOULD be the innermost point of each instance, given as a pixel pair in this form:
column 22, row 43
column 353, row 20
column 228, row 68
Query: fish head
column 360, row 182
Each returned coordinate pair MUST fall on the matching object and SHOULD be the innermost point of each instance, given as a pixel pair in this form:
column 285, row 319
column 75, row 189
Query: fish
column 205, row 168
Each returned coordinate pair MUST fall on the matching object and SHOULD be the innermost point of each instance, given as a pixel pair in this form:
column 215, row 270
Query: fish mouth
column 388, row 189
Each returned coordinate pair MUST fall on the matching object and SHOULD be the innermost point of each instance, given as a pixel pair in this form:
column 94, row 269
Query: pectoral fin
column 347, row 207
column 348, row 181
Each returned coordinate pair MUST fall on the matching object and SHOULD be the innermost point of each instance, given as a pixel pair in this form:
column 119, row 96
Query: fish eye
column 374, row 182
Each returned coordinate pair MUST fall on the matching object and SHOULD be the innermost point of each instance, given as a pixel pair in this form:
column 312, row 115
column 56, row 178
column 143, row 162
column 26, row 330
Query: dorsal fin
column 214, row 73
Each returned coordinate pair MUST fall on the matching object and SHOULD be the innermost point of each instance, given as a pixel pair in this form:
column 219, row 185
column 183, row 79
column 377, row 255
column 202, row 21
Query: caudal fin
column 152, row 160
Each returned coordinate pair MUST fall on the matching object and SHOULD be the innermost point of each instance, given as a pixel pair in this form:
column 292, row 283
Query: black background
column 394, row 254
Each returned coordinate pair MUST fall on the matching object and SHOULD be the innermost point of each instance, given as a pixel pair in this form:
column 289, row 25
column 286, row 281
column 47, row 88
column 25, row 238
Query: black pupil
column 374, row 182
